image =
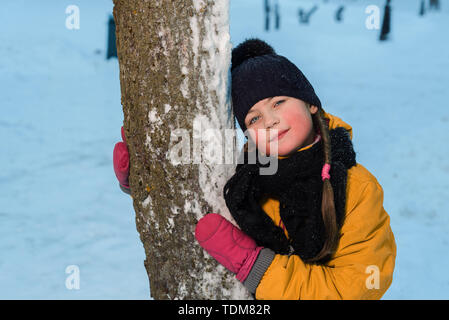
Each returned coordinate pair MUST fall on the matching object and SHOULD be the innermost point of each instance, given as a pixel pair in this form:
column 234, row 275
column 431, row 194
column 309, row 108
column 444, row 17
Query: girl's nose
column 271, row 121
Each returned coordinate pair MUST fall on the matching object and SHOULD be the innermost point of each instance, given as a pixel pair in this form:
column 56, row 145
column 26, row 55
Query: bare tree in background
column 174, row 59
column 422, row 8
column 386, row 22
column 434, row 5
column 272, row 10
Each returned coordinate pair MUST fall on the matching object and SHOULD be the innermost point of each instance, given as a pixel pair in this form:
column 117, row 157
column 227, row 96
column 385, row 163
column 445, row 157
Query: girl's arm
column 362, row 267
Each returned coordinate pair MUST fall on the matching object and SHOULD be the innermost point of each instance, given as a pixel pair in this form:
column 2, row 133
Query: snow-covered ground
column 61, row 115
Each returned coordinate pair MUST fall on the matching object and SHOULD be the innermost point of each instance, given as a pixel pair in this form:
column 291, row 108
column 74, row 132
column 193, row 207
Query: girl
column 316, row 228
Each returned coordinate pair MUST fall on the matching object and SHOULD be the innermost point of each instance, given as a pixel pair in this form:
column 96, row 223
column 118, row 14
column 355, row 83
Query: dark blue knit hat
column 259, row 73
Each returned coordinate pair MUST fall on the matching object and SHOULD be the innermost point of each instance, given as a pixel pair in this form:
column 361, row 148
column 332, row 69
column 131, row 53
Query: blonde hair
column 328, row 211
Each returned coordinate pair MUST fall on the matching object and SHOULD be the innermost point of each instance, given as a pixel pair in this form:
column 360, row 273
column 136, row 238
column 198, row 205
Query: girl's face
column 283, row 120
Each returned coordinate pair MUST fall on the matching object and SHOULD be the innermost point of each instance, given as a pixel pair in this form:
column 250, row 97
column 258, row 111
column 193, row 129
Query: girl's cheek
column 291, row 118
column 259, row 136
column 251, row 133
column 297, row 121
column 254, row 135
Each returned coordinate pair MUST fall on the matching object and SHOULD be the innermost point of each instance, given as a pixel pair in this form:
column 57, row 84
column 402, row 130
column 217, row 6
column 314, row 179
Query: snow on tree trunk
column 174, row 59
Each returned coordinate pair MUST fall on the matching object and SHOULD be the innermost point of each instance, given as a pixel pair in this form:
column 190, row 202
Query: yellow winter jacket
column 362, row 267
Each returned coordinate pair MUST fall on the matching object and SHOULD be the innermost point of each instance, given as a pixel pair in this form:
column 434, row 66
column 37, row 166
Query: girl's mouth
column 280, row 135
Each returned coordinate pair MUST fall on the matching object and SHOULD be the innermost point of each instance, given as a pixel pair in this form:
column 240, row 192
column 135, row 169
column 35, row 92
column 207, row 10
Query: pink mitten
column 121, row 162
column 227, row 244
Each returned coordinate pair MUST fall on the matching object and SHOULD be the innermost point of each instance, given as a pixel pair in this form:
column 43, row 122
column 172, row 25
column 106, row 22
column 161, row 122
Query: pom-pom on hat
column 259, row 73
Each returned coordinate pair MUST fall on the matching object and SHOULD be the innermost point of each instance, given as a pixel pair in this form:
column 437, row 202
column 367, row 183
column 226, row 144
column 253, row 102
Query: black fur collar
column 298, row 186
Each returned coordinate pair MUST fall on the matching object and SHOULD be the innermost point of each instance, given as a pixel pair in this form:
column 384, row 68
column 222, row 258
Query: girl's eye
column 280, row 101
column 251, row 121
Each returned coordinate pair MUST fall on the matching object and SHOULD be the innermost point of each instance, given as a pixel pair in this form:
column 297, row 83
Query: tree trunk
column 174, row 59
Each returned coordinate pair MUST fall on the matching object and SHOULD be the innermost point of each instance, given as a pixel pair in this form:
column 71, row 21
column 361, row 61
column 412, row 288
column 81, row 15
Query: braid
column 327, row 205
